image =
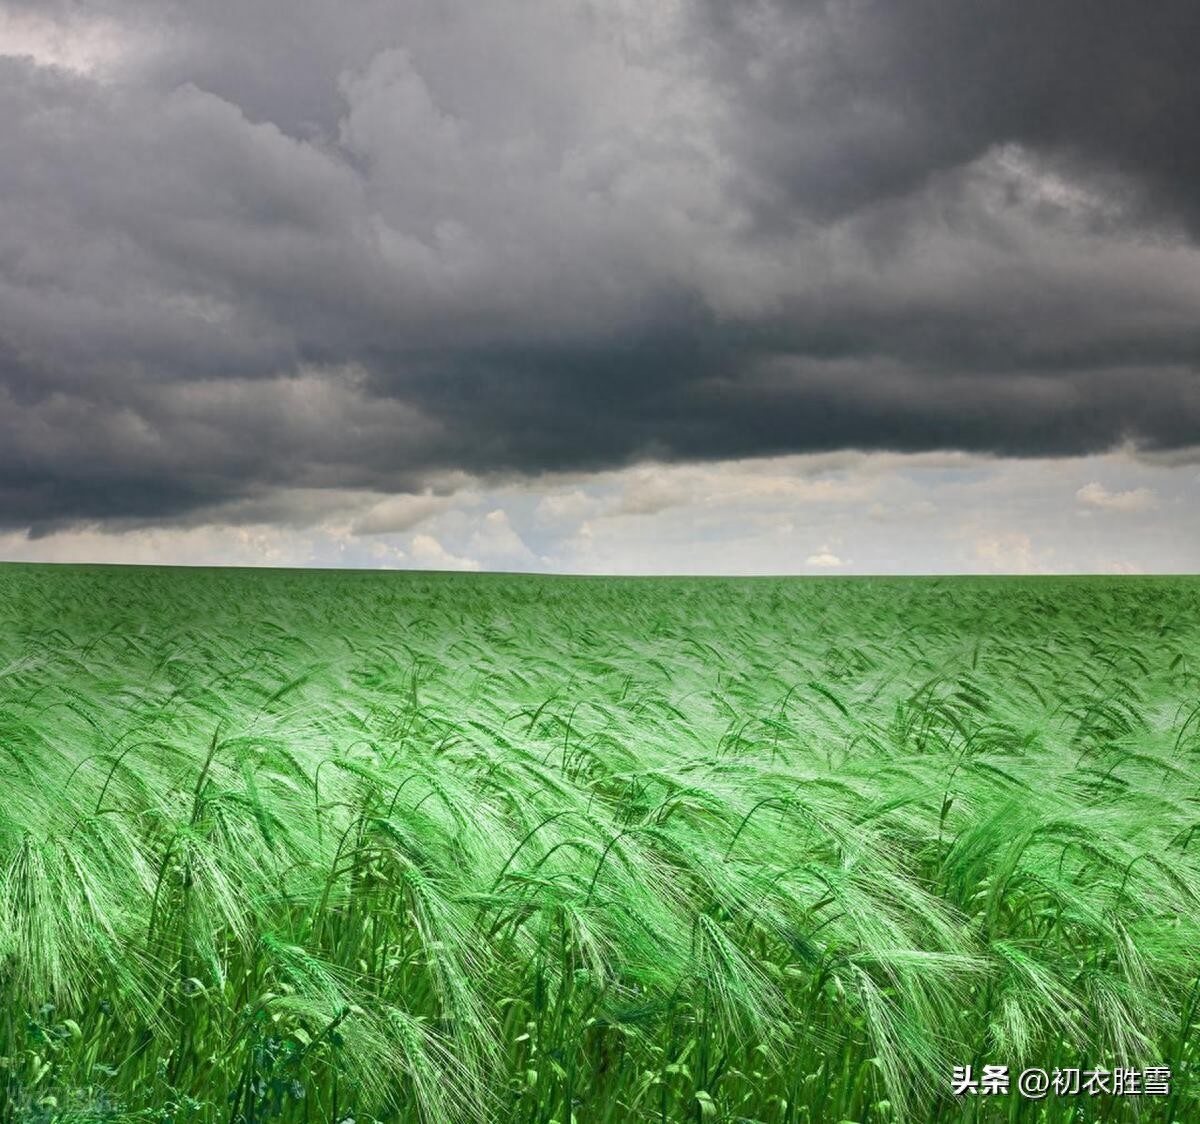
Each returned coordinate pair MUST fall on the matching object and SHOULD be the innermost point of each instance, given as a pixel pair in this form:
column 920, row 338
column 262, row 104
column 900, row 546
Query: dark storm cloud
column 366, row 246
column 904, row 88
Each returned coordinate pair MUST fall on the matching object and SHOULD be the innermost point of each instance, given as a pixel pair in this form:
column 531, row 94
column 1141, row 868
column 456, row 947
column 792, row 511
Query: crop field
column 320, row 846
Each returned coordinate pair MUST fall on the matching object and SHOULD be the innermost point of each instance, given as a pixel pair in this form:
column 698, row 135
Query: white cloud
column 767, row 482
column 82, row 44
column 824, row 559
column 397, row 513
column 650, row 492
column 387, row 557
column 429, row 554
column 571, row 506
column 498, row 544
column 1135, row 499
column 775, row 516
column 248, row 545
column 1009, row 552
column 885, row 513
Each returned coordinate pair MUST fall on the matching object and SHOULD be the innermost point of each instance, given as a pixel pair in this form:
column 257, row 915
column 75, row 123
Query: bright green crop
column 309, row 846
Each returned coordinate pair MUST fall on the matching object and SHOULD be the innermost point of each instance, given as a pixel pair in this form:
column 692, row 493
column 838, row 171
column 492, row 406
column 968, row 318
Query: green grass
column 299, row 846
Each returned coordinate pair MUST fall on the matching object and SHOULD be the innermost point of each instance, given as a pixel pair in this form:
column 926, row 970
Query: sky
column 697, row 286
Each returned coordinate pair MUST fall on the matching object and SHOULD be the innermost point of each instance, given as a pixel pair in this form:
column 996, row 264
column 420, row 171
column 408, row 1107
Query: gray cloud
column 367, row 247
column 893, row 91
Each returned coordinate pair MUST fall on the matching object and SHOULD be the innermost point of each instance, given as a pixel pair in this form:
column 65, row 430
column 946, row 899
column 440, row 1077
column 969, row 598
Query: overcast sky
column 602, row 285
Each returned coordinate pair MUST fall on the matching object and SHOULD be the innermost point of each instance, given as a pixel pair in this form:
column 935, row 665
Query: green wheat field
column 329, row 846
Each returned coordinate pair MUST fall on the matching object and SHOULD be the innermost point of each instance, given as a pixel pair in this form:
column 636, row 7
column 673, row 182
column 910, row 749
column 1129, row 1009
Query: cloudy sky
column 742, row 286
